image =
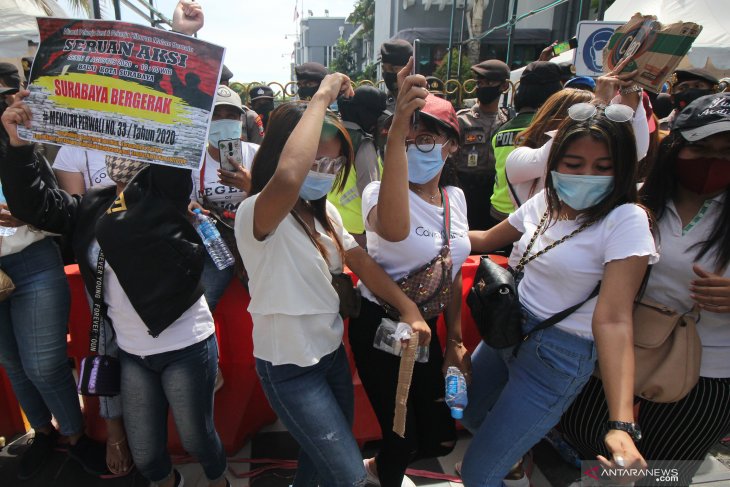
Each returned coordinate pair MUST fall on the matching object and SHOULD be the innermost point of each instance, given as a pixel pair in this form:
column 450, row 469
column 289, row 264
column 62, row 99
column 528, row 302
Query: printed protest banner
column 123, row 89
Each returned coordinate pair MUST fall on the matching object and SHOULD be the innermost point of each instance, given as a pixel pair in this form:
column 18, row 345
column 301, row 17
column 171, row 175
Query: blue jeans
column 183, row 380
column 514, row 401
column 33, row 337
column 316, row 404
column 215, row 281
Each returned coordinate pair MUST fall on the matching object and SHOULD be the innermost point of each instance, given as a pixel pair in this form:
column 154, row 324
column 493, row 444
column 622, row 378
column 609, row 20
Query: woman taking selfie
column 584, row 228
column 414, row 217
column 292, row 243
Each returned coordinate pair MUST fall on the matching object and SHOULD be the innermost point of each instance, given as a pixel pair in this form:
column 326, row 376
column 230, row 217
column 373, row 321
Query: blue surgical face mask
column 223, row 130
column 423, row 166
column 316, row 185
column 581, row 192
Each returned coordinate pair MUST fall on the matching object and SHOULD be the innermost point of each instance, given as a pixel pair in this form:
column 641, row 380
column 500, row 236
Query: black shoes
column 35, row 457
column 90, row 454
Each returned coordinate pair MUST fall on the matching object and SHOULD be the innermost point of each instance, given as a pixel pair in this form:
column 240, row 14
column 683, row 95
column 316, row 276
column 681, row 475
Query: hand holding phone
column 230, row 150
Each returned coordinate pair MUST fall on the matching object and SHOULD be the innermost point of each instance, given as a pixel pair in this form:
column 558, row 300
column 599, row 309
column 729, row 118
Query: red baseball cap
column 442, row 111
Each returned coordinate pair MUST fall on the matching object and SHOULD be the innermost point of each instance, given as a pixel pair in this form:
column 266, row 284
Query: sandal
column 120, row 450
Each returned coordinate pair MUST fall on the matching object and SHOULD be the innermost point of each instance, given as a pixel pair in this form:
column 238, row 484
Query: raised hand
column 188, row 17
column 18, row 113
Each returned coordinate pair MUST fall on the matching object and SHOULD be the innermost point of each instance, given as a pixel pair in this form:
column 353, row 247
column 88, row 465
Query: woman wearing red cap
column 407, row 215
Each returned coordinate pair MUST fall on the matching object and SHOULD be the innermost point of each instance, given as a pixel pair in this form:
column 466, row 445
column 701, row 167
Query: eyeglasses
column 423, row 142
column 615, row 112
column 328, row 165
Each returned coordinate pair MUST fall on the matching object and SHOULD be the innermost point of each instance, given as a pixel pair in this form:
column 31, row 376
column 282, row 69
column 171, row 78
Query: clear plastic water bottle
column 6, row 231
column 217, row 248
column 456, row 392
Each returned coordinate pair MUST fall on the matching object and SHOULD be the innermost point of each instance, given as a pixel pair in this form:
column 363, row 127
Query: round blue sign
column 593, row 48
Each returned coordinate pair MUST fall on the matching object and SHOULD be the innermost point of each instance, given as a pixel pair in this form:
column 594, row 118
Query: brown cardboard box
column 655, row 49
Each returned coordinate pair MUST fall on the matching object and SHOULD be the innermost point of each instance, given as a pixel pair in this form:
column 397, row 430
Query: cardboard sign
column 123, row 89
column 655, row 50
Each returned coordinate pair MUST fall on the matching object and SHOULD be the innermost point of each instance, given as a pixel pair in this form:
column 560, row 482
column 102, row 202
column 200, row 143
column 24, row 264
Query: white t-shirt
column 294, row 307
column 567, row 274
column 670, row 279
column 90, row 163
column 193, row 326
column 425, row 239
column 221, row 196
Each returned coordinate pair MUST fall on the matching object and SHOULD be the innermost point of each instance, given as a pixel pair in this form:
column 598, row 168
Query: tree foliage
column 462, row 75
column 344, row 60
column 364, row 13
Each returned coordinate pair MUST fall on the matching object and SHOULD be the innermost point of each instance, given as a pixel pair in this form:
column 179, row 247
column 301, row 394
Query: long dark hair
column 281, row 124
column 619, row 139
column 661, row 186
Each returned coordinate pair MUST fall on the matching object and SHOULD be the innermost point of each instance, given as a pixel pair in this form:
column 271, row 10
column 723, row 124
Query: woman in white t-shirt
column 525, row 166
column 584, row 228
column 292, row 241
column 689, row 191
column 406, row 223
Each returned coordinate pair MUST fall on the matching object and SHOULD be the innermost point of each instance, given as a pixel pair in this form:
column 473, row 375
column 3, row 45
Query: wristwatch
column 630, row 89
column 631, row 428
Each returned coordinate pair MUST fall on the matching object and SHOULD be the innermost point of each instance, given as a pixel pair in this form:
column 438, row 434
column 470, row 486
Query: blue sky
column 254, row 32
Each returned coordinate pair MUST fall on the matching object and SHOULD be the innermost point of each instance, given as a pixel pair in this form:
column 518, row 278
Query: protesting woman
column 292, row 242
column 134, row 242
column 415, row 217
column 585, row 228
column 688, row 190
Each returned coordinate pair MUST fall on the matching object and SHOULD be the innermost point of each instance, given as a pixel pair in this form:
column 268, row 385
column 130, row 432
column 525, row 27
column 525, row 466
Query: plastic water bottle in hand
column 456, row 392
column 217, row 248
column 6, row 231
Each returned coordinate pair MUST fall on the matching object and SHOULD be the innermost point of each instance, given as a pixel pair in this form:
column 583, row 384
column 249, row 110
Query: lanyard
column 98, row 308
column 697, row 217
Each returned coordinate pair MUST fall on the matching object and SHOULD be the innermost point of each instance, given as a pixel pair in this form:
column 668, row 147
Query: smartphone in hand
column 230, row 148
column 414, row 70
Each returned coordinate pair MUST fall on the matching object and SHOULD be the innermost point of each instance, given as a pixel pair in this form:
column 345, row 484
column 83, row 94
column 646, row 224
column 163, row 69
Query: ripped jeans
column 316, row 404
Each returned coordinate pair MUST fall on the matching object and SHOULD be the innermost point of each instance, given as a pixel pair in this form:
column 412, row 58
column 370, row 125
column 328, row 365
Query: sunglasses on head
column 616, row 112
column 328, row 165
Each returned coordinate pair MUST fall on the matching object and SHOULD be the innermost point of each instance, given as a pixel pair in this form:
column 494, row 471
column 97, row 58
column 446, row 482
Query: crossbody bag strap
column 447, row 216
column 98, row 307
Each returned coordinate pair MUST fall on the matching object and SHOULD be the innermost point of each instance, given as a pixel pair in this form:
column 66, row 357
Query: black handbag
column 350, row 298
column 100, row 375
column 494, row 300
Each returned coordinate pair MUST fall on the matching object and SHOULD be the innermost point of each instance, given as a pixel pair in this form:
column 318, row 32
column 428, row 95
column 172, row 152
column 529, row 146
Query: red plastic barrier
column 241, row 408
column 11, row 419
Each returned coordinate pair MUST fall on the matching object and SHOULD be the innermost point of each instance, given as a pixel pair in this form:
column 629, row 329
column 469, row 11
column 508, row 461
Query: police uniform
column 503, row 143
column 253, row 126
column 475, row 163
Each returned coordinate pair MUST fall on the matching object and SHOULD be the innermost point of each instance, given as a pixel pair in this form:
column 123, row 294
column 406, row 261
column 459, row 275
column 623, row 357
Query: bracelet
column 456, row 342
column 630, row 89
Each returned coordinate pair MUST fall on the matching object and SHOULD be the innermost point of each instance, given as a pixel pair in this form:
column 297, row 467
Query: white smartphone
column 230, row 148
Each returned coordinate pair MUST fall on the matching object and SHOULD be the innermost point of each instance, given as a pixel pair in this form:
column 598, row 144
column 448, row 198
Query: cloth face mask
column 581, row 192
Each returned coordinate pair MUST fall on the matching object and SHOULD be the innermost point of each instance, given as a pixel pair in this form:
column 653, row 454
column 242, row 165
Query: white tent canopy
column 18, row 25
column 713, row 43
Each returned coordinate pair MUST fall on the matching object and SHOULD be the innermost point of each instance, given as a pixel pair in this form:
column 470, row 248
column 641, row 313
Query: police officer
column 309, row 76
column 394, row 55
column 262, row 100
column 436, row 86
column 474, row 161
column 226, row 75
column 686, row 86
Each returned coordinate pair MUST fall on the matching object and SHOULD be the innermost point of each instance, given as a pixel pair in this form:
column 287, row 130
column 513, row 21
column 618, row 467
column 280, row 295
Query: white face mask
column 224, row 130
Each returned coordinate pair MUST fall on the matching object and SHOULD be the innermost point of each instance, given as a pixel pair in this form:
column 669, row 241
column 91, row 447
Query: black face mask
column 681, row 100
column 307, row 92
column 391, row 81
column 487, row 94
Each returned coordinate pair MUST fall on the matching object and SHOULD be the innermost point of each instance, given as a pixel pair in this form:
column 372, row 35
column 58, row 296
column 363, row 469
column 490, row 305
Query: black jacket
column 145, row 233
